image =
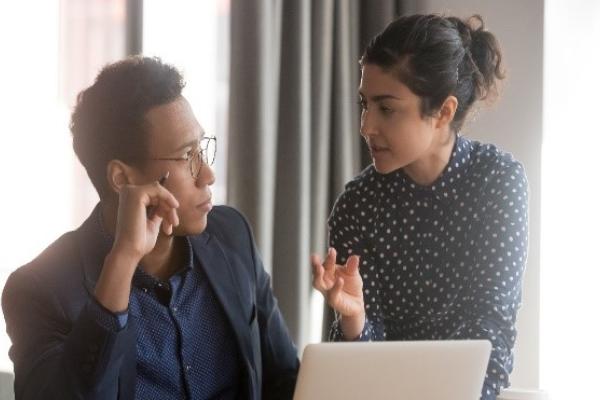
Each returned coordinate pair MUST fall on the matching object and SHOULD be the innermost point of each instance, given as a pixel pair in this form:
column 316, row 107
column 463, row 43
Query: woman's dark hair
column 108, row 120
column 436, row 56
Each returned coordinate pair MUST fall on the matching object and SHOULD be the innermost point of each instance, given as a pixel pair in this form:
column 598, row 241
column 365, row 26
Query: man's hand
column 136, row 234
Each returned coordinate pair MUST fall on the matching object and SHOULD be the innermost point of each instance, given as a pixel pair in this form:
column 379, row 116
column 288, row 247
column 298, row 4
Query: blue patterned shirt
column 186, row 348
column 444, row 261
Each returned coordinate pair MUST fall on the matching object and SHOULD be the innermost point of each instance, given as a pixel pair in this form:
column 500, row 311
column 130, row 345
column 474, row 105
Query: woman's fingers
column 318, row 273
column 352, row 264
column 334, row 294
column 329, row 263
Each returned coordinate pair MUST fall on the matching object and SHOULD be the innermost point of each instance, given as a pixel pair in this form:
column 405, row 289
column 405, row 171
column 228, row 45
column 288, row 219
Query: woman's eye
column 385, row 110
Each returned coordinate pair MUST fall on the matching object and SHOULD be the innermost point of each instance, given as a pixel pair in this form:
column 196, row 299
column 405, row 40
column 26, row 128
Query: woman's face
column 391, row 121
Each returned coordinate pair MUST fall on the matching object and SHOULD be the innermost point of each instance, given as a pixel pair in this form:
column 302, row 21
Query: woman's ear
column 446, row 113
column 118, row 175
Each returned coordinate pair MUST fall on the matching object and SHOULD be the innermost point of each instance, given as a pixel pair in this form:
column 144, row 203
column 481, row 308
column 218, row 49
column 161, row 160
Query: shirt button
column 174, row 309
column 188, row 368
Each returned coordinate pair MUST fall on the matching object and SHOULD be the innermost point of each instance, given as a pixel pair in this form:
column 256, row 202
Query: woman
column 429, row 242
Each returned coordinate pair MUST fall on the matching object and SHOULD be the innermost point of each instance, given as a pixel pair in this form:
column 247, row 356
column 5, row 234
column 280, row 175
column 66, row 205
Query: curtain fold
column 293, row 128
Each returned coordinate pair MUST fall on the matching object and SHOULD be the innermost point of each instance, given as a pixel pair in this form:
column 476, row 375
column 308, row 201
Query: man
column 157, row 295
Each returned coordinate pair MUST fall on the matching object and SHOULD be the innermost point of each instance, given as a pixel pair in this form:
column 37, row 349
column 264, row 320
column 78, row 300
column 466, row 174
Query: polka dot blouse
column 443, row 261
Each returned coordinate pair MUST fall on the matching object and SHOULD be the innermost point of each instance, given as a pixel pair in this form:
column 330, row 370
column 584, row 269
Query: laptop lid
column 421, row 370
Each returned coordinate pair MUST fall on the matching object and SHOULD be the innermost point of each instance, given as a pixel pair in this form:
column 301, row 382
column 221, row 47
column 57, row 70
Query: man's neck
column 165, row 259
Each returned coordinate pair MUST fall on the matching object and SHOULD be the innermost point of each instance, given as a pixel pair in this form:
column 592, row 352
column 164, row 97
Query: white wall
column 514, row 123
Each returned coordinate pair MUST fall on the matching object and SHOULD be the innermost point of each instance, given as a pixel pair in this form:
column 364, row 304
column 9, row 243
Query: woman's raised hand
column 341, row 285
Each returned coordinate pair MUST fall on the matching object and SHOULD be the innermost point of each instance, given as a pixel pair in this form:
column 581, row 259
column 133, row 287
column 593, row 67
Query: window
column 52, row 52
column 194, row 36
column 570, row 271
column 48, row 55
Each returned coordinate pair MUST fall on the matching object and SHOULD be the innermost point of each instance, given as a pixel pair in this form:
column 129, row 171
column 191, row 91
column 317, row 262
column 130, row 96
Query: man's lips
column 206, row 204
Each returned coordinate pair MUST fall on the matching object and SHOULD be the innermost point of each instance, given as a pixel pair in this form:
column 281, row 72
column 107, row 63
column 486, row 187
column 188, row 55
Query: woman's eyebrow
column 380, row 97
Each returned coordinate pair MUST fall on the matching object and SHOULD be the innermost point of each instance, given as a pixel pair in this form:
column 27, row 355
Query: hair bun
column 486, row 54
column 483, row 50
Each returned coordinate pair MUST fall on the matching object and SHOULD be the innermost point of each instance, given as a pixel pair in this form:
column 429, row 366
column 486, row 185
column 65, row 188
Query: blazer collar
column 94, row 244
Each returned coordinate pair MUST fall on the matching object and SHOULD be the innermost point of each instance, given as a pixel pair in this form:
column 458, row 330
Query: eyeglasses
column 204, row 154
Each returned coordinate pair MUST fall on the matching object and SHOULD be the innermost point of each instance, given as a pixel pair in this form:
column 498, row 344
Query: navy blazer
column 61, row 352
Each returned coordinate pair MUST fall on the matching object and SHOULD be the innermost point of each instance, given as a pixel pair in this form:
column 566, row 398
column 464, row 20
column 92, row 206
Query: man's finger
column 174, row 217
column 167, row 227
column 155, row 193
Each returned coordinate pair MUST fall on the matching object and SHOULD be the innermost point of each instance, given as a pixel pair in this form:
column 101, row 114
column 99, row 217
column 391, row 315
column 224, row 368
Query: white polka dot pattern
column 444, row 261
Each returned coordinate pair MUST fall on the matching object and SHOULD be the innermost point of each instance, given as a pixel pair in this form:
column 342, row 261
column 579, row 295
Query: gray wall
column 514, row 123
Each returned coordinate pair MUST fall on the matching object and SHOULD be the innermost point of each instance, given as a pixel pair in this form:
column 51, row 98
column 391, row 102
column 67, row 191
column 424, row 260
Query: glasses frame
column 200, row 154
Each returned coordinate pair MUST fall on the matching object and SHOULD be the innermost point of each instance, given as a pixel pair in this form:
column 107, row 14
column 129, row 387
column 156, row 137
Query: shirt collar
column 446, row 186
column 143, row 280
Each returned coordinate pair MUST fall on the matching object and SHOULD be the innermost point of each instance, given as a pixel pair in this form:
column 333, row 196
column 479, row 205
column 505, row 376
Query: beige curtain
column 293, row 128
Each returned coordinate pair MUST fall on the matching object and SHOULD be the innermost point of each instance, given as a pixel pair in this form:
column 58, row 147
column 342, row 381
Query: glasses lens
column 196, row 164
column 209, row 149
column 205, row 155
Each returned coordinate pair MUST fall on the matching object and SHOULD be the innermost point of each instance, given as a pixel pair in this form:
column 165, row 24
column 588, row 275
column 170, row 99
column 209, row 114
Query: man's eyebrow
column 191, row 143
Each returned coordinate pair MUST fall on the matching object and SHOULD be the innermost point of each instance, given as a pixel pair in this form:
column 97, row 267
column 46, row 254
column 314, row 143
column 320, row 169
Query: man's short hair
column 108, row 120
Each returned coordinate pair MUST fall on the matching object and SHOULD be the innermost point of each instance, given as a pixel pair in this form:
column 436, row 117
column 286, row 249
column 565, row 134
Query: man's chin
column 190, row 229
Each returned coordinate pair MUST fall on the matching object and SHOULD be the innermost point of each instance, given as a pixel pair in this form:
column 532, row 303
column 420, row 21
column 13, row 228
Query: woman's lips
column 377, row 150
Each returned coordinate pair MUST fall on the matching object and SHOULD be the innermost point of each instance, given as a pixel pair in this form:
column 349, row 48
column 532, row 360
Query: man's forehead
column 172, row 126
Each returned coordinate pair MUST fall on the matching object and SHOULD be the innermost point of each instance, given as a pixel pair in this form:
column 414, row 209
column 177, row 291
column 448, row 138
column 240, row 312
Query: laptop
column 421, row 370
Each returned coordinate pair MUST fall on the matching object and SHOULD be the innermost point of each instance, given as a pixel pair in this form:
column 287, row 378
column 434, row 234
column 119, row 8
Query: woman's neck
column 427, row 169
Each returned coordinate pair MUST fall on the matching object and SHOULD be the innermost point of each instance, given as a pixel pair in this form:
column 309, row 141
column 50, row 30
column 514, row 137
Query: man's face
column 174, row 132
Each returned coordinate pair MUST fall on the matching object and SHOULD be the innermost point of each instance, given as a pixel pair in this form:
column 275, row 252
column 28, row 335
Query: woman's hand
column 341, row 285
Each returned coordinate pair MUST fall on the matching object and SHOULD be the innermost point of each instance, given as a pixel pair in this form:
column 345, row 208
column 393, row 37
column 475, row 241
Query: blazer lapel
column 225, row 285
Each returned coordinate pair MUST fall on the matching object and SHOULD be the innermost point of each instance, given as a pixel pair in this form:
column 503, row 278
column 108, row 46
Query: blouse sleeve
column 345, row 237
column 499, row 251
